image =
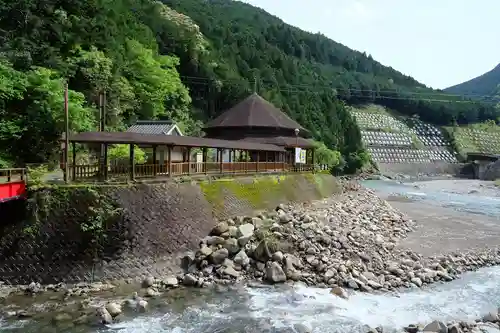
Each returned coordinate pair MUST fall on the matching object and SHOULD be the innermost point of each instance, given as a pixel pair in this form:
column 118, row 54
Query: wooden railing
column 95, row 171
column 12, row 175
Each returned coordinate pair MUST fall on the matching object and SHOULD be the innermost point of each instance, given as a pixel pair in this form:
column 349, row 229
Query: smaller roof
column 254, row 111
column 167, row 140
column 152, row 127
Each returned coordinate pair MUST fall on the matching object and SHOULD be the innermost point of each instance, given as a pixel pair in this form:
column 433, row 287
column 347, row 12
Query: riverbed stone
column 170, row 281
column 218, row 256
column 340, row 292
column 246, row 230
column 241, row 258
column 114, row 309
column 103, row 316
column 189, row 280
column 436, row 327
column 491, row 317
column 205, row 251
column 220, row 228
column 274, row 273
column 232, row 246
column 148, row 282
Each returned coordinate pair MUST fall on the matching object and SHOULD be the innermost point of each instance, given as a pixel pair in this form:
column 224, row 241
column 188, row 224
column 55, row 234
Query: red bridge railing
column 12, row 184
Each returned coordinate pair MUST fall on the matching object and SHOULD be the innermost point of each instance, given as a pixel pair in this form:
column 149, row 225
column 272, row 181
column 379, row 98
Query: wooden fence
column 137, row 171
column 12, row 175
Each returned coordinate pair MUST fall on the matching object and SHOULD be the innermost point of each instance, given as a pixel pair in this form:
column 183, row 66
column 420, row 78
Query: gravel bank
column 347, row 241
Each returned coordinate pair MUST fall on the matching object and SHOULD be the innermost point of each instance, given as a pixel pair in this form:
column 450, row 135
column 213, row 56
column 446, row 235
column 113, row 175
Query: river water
column 279, row 309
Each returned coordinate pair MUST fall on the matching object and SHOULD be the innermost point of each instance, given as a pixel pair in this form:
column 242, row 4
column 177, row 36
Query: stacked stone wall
column 67, row 235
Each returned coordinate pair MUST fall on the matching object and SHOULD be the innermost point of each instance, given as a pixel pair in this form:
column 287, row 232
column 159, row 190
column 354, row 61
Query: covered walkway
column 244, row 157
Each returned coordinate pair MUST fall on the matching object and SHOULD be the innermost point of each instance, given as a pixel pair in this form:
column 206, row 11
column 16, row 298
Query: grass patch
column 482, row 138
column 263, row 192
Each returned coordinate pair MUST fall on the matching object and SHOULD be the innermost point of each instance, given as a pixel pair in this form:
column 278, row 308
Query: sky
column 438, row 42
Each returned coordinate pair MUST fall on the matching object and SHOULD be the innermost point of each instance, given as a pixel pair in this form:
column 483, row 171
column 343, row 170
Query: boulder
column 217, row 257
column 340, row 292
column 114, row 309
column 220, row 229
column 274, row 273
column 103, row 316
column 436, row 327
column 241, row 258
column 246, row 230
column 262, row 253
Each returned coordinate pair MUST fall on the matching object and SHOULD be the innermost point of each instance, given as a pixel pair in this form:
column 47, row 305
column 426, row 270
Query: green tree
column 156, row 83
column 121, row 153
column 32, row 123
column 325, row 156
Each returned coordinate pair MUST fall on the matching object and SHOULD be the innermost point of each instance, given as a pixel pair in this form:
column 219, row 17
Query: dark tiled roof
column 151, row 127
column 282, row 141
column 173, row 140
column 254, row 111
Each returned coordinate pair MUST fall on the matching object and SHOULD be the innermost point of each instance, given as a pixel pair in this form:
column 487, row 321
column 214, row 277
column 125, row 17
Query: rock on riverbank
column 344, row 241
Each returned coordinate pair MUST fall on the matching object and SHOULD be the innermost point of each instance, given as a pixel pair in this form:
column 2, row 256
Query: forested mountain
column 187, row 60
column 482, row 86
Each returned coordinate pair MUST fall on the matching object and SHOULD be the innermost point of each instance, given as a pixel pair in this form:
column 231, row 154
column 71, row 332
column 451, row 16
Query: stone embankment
column 346, row 241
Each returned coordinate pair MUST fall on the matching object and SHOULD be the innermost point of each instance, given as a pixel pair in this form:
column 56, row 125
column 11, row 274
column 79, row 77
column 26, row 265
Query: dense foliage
column 481, row 87
column 298, row 70
column 186, row 60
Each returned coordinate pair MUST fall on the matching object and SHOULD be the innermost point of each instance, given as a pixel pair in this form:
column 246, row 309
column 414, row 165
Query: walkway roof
column 168, row 140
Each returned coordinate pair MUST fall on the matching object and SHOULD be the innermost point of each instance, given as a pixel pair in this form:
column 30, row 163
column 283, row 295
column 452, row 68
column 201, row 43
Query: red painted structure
column 12, row 190
column 12, row 184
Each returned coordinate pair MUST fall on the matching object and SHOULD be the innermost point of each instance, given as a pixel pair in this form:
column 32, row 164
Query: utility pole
column 103, row 118
column 66, row 126
column 102, row 124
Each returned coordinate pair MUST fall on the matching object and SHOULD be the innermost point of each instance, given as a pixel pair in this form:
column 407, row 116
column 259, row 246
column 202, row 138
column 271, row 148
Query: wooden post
column 132, row 161
column 205, row 152
column 312, row 160
column 73, row 171
column 155, row 169
column 221, row 166
column 169, row 160
column 66, row 126
column 257, row 153
column 189, row 160
column 247, row 158
column 105, row 164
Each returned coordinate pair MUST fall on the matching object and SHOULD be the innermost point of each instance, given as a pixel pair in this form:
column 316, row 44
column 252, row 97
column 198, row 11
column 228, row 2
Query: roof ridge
column 153, row 122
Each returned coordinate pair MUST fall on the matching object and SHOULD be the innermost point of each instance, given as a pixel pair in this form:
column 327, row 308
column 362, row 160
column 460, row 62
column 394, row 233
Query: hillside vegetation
column 188, row 61
column 484, row 85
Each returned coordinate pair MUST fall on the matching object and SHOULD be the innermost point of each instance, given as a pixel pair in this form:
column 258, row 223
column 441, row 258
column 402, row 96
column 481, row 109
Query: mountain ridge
column 188, row 61
column 484, row 85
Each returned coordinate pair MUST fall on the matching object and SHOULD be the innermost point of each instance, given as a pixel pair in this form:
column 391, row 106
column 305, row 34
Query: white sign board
column 300, row 155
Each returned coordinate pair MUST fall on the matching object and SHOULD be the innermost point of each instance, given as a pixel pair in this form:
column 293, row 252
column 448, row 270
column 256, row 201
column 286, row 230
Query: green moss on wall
column 87, row 206
column 263, row 192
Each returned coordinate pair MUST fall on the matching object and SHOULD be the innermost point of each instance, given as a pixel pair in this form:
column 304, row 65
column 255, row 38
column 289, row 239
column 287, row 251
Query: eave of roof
column 169, row 140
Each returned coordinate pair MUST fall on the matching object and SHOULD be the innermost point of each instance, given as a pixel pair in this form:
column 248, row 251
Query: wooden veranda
column 241, row 157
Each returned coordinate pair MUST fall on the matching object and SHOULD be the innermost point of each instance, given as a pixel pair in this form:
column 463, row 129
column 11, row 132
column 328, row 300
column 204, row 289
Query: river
column 278, row 309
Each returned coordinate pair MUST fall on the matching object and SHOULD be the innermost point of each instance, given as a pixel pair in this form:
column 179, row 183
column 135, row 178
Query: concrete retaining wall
column 414, row 169
column 153, row 225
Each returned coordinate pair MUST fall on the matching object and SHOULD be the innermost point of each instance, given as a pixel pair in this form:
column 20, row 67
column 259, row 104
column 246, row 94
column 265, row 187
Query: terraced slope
column 392, row 139
column 483, row 138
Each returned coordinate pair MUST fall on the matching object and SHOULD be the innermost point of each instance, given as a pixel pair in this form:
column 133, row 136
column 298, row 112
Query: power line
column 406, row 95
